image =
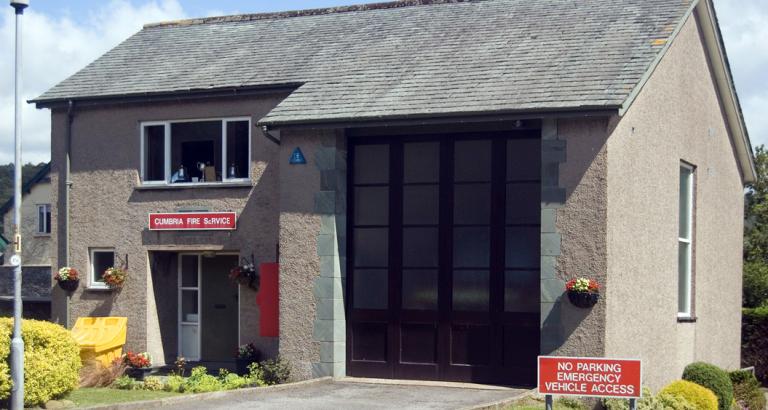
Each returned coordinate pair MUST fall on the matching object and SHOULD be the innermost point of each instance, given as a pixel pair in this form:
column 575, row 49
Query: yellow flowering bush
column 51, row 361
column 700, row 397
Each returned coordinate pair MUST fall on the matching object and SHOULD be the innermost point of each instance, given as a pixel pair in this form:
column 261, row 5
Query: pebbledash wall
column 609, row 210
column 677, row 116
column 108, row 208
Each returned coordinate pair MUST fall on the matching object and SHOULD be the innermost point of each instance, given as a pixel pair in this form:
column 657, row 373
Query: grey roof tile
column 440, row 57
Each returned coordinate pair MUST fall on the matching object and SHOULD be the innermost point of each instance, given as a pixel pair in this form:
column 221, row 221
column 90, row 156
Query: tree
column 756, row 234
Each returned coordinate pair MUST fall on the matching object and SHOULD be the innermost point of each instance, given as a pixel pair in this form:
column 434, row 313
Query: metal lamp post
column 17, row 344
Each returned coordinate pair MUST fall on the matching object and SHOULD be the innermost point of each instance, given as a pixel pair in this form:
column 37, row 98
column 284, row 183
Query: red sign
column 193, row 221
column 589, row 376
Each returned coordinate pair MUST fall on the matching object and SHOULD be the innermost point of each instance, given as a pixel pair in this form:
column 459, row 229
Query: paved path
column 355, row 395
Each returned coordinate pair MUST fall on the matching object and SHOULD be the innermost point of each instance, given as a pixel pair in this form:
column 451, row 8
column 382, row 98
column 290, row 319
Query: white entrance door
column 189, row 306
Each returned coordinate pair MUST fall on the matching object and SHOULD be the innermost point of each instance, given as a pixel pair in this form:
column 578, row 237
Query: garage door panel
column 443, row 257
column 369, row 342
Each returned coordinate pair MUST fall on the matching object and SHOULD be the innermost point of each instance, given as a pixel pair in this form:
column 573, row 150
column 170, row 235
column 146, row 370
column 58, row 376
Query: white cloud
column 56, row 47
column 744, row 24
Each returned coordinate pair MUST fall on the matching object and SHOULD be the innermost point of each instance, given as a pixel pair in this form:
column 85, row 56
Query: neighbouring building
column 3, row 244
column 428, row 174
column 37, row 249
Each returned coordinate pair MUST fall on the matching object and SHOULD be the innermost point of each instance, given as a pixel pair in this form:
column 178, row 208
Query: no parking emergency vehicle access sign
column 589, row 376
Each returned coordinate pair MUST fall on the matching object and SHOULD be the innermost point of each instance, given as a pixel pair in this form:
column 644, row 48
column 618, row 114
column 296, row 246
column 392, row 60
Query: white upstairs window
column 196, row 151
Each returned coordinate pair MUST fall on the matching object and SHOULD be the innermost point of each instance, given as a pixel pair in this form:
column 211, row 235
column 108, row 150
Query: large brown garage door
column 443, row 273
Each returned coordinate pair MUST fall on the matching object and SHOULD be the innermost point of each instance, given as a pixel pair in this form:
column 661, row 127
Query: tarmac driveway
column 357, row 395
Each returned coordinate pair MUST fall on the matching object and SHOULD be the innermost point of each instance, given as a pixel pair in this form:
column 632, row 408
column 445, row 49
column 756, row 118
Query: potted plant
column 245, row 274
column 583, row 292
column 68, row 278
column 114, row 277
column 246, row 354
column 138, row 365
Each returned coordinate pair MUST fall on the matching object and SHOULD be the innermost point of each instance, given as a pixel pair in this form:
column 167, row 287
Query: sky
column 62, row 36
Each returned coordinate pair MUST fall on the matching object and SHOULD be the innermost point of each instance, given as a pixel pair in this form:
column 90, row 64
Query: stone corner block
column 325, row 158
column 552, row 197
column 333, row 352
column 550, row 244
column 326, row 245
column 552, row 290
column 329, row 330
column 328, row 288
column 325, row 202
column 548, row 267
column 330, row 309
column 549, row 220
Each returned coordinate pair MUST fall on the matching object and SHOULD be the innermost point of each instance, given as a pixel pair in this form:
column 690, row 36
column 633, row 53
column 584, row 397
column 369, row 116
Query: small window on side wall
column 44, row 219
column 101, row 259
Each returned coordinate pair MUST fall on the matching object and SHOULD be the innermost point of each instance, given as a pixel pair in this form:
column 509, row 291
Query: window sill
column 686, row 319
column 93, row 288
column 199, row 185
column 41, row 235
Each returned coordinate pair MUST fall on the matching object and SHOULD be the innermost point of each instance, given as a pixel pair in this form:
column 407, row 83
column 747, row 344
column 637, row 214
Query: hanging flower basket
column 246, row 275
column 583, row 292
column 68, row 278
column 114, row 277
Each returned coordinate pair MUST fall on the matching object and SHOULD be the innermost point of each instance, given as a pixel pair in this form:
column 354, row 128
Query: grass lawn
column 89, row 396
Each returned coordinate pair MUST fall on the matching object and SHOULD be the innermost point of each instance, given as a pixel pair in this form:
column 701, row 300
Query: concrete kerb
column 505, row 403
column 251, row 391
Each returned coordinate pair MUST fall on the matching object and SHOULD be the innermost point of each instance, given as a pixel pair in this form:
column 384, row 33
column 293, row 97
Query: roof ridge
column 301, row 13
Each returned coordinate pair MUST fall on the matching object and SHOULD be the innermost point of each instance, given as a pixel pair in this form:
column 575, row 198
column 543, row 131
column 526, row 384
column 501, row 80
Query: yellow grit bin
column 100, row 338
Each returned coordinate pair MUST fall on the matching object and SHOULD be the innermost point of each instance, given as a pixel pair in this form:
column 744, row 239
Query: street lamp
column 17, row 344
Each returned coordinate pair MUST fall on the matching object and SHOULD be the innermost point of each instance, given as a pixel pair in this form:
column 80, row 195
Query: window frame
column 688, row 313
column 167, row 154
column 92, row 282
column 46, row 209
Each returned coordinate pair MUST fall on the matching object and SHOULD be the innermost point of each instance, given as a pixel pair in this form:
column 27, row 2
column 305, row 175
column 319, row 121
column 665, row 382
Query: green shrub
column 200, row 381
column 230, row 381
column 754, row 341
column 124, row 383
column 698, row 396
column 174, row 384
column 568, row 403
column 51, row 361
column 713, row 378
column 5, row 372
column 270, row 372
column 746, row 390
column 669, row 401
column 152, row 383
column 755, row 283
column 662, row 401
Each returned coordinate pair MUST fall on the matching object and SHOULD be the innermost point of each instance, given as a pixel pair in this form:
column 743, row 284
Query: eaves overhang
column 160, row 96
column 441, row 118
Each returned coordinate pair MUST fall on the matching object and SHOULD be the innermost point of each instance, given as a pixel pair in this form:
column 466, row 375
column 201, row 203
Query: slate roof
column 403, row 59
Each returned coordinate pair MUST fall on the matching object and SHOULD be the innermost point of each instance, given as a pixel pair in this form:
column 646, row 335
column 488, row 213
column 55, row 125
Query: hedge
column 746, row 390
column 713, row 378
column 51, row 361
column 754, row 341
column 700, row 397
